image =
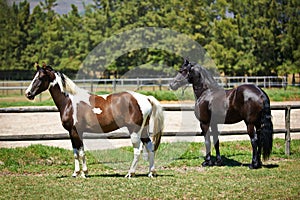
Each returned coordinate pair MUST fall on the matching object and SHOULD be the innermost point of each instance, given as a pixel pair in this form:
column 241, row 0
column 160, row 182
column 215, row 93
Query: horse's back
column 123, row 107
column 245, row 102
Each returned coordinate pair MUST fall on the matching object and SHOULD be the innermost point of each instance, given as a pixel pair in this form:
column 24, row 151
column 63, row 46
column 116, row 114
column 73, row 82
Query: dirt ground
column 175, row 121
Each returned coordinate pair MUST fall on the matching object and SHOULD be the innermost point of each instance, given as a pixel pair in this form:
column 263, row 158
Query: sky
column 63, row 6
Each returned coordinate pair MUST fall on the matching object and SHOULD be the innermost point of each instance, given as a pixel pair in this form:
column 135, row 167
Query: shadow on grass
column 270, row 166
column 234, row 163
column 116, row 175
column 229, row 162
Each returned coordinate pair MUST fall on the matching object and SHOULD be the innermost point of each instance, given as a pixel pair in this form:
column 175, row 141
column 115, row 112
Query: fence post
column 138, row 82
column 159, row 84
column 21, row 89
column 288, row 130
column 114, row 84
column 7, row 90
column 92, row 86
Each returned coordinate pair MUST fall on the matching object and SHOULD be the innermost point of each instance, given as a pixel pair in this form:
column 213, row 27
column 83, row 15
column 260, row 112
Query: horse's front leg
column 76, row 163
column 84, row 172
column 79, row 155
column 207, row 162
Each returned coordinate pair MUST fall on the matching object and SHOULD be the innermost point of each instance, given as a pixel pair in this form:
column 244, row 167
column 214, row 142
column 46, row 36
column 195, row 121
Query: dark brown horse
column 215, row 106
column 81, row 112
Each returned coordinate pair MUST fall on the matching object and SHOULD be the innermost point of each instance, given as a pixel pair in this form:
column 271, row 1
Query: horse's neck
column 198, row 89
column 59, row 98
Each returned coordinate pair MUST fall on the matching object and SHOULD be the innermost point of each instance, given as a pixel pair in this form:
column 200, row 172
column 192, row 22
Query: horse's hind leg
column 137, row 146
column 255, row 164
column 259, row 145
column 150, row 150
column 215, row 133
column 207, row 161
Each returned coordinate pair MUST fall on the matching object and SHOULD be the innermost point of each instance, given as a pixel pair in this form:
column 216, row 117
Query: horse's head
column 183, row 76
column 41, row 81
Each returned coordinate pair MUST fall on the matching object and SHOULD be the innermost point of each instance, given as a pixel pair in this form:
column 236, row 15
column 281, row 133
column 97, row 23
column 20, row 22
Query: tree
column 242, row 37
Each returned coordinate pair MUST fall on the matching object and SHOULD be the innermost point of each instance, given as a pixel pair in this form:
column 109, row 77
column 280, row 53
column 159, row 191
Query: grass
column 5, row 104
column 40, row 172
column 290, row 94
column 275, row 94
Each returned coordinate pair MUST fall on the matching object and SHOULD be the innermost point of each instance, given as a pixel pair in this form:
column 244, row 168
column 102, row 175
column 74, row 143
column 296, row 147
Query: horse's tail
column 158, row 121
column 266, row 128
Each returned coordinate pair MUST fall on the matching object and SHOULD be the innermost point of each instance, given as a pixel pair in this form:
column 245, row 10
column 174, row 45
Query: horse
column 214, row 106
column 81, row 111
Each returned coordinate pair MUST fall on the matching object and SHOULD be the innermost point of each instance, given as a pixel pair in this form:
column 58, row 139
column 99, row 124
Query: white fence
column 156, row 83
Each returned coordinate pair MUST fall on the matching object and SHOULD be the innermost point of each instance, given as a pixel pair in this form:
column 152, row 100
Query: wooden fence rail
column 287, row 130
column 113, row 84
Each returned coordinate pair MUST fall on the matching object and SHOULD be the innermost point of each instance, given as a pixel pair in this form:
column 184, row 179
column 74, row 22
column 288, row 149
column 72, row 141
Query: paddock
column 180, row 179
column 180, row 125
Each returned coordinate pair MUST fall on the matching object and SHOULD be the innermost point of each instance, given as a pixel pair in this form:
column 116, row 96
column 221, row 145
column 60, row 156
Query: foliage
column 41, row 172
column 161, row 95
column 243, row 37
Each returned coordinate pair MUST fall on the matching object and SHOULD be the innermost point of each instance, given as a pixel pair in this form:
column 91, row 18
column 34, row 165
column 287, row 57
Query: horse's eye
column 42, row 78
column 181, row 70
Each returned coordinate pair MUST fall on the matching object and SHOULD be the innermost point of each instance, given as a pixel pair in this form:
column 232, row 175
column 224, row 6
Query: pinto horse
column 81, row 112
column 215, row 106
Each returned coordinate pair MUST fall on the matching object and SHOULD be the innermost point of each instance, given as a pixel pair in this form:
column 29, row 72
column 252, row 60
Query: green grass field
column 41, row 172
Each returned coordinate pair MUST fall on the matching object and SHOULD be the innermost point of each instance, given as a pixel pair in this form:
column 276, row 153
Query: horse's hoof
column 254, row 166
column 251, row 166
column 75, row 174
column 83, row 175
column 219, row 162
column 130, row 175
column 207, row 163
column 152, row 174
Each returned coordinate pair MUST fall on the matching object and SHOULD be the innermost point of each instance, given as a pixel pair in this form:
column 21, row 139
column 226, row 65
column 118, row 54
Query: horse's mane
column 207, row 77
column 66, row 84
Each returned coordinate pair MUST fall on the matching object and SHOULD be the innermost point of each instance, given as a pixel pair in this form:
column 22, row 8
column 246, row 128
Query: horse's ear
column 186, row 61
column 48, row 67
column 49, row 72
column 44, row 65
column 190, row 67
column 36, row 65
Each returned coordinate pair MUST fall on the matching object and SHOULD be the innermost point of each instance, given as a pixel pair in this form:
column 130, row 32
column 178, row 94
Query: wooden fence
column 110, row 85
column 287, row 130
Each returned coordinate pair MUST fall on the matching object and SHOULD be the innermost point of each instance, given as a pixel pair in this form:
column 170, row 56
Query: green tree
column 243, row 37
column 7, row 40
column 36, row 27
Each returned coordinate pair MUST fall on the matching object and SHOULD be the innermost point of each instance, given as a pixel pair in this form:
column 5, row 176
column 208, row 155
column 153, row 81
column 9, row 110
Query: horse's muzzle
column 29, row 96
column 173, row 86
